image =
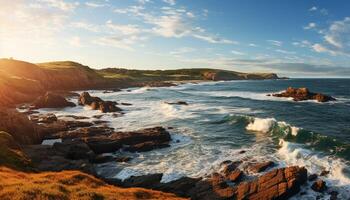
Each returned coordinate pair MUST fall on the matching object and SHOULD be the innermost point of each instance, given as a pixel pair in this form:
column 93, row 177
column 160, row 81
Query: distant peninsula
column 23, row 81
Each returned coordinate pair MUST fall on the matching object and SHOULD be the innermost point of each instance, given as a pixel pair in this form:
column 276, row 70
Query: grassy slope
column 67, row 185
column 17, row 182
column 22, row 81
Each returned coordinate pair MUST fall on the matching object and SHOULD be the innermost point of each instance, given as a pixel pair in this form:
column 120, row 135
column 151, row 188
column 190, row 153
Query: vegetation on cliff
column 67, row 185
column 22, row 81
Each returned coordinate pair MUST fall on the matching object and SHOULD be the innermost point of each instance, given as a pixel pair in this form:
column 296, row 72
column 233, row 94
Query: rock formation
column 97, row 103
column 302, row 94
column 52, row 100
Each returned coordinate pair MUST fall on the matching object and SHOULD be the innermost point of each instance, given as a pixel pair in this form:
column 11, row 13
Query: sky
column 292, row 38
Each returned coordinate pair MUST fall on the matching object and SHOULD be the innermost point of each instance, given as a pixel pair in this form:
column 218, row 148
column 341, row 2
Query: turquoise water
column 224, row 118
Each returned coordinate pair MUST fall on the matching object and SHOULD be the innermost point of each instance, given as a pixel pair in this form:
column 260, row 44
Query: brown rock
column 319, row 186
column 20, row 127
column 43, row 118
column 97, row 103
column 302, row 94
column 260, row 167
column 141, row 140
column 52, row 100
column 276, row 184
column 312, row 177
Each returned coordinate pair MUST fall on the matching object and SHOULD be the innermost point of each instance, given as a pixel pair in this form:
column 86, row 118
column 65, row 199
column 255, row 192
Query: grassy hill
column 22, row 81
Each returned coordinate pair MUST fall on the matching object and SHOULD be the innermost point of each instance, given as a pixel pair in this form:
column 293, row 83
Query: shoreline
column 156, row 184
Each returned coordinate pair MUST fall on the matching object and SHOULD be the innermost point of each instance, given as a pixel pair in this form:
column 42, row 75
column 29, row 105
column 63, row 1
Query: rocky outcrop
column 20, row 127
column 52, row 100
column 276, row 184
column 97, row 103
column 11, row 154
column 302, row 94
column 141, row 140
column 259, row 167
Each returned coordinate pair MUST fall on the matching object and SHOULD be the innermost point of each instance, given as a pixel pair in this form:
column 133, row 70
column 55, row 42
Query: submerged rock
column 302, row 94
column 319, row 185
column 52, row 100
column 97, row 103
column 177, row 103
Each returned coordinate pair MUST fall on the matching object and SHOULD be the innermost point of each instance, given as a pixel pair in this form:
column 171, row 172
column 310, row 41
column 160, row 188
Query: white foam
column 261, row 125
column 296, row 154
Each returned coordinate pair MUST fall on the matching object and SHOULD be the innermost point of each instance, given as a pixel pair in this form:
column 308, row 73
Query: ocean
column 235, row 120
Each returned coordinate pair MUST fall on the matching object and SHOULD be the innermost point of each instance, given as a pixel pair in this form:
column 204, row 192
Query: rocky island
column 303, row 94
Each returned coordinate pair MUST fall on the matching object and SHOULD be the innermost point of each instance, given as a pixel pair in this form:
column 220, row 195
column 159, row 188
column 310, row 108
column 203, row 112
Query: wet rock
column 334, row 195
column 102, row 159
column 276, row 184
column 123, row 159
column 30, row 112
column 242, row 152
column 177, row 103
column 180, row 187
column 97, row 122
column 146, row 146
column 312, row 177
column 213, row 188
column 146, row 181
column 319, row 186
column 84, row 132
column 235, row 175
column 75, row 117
column 20, row 127
column 97, row 116
column 47, row 158
column 97, row 103
column 43, row 118
column 126, row 104
column 302, row 94
column 52, row 100
column 141, row 140
column 260, row 167
column 74, row 150
column 324, row 173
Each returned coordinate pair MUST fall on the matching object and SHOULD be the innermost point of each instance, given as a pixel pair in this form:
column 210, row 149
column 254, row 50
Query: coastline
column 214, row 181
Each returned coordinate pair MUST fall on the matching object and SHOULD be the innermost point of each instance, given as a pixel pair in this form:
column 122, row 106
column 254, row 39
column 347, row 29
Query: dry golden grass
column 66, row 185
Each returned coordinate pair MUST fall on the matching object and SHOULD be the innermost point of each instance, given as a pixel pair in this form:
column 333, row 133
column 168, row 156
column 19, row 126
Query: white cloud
column 303, row 43
column 86, row 26
column 213, row 39
column 183, row 50
column 95, row 5
column 311, row 25
column 113, row 42
column 144, row 1
column 252, row 45
column 170, row 2
column 275, row 42
column 128, row 29
column 313, row 8
column 61, row 4
column 336, row 38
column 284, row 51
column 238, row 53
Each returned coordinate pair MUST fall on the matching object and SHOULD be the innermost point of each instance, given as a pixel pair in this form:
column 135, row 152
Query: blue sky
column 292, row 38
